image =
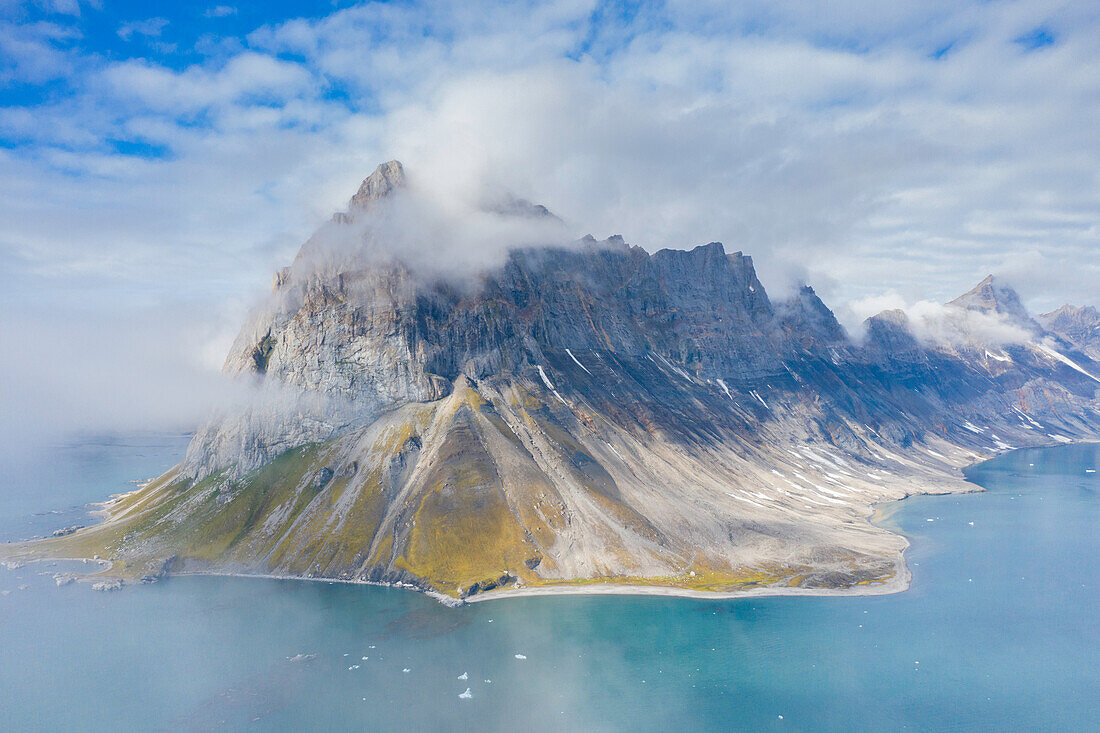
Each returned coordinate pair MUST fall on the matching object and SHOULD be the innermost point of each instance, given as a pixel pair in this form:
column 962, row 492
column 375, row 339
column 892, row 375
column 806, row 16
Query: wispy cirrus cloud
column 220, row 11
column 150, row 27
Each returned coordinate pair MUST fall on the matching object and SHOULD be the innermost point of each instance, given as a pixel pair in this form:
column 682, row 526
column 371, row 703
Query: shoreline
column 434, row 595
column 897, row 584
column 880, row 513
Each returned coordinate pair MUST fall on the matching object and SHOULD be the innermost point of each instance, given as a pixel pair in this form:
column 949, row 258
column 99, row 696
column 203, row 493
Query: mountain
column 582, row 416
column 1080, row 326
column 992, row 297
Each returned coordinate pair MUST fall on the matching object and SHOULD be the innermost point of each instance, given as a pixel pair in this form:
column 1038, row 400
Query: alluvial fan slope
column 583, row 415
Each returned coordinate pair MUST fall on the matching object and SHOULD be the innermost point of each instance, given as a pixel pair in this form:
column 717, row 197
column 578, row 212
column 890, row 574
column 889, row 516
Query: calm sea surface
column 1000, row 631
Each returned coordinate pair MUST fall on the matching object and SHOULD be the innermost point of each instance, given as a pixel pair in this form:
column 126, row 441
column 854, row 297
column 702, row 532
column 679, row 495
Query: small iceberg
column 466, row 695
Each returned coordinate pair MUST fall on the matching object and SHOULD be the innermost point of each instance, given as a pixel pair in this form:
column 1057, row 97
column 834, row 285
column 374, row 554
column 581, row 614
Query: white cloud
column 246, row 77
column 220, row 11
column 151, row 27
column 936, row 323
column 34, row 53
column 840, row 147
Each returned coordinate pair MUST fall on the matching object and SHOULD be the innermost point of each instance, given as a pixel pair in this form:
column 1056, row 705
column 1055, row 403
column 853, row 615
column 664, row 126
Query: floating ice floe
column 521, row 656
column 466, row 695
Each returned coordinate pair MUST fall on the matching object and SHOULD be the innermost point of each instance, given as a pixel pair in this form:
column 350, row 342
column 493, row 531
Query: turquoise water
column 1000, row 631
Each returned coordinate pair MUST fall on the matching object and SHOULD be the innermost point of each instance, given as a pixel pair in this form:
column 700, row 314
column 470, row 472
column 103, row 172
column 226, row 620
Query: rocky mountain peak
column 993, row 296
column 1079, row 325
column 385, row 179
column 813, row 320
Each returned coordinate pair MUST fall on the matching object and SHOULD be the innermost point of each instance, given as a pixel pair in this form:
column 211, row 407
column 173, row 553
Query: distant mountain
column 1080, row 326
column 992, row 297
column 587, row 414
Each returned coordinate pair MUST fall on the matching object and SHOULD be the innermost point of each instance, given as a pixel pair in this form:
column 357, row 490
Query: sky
column 159, row 161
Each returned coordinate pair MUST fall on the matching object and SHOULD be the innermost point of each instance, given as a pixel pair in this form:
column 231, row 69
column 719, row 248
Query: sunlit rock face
column 588, row 412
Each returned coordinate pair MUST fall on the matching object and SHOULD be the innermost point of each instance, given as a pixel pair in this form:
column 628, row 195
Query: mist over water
column 996, row 633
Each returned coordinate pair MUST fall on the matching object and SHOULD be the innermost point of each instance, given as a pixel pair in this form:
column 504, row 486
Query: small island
column 582, row 418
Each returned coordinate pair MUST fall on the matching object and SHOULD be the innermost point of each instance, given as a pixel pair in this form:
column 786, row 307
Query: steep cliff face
column 586, row 413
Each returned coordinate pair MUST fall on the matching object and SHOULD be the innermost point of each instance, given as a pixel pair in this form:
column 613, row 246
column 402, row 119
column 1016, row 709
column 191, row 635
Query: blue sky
column 159, row 161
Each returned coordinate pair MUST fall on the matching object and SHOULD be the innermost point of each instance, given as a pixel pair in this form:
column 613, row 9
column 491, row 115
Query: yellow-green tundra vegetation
column 484, row 489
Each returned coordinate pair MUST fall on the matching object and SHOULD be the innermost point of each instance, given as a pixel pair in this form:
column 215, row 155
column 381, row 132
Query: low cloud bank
column 95, row 372
column 937, row 323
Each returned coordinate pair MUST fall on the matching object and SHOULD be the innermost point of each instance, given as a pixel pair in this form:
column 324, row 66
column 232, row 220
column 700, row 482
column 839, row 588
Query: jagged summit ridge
column 1078, row 325
column 386, row 178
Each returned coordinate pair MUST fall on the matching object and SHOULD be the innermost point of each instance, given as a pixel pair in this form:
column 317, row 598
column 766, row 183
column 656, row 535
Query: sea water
column 999, row 631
